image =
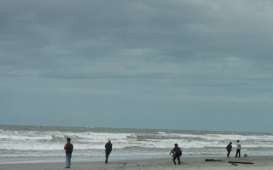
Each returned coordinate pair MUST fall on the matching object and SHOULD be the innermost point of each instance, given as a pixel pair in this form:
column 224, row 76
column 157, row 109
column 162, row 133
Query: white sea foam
column 49, row 143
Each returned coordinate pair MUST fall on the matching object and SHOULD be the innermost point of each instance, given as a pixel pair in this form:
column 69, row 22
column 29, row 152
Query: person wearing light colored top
column 238, row 149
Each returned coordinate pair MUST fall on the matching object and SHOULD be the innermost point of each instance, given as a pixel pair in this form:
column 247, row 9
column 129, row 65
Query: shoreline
column 260, row 162
column 187, row 158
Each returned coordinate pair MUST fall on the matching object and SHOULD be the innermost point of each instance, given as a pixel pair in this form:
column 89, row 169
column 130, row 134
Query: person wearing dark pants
column 176, row 154
column 108, row 150
column 229, row 149
column 68, row 147
column 238, row 149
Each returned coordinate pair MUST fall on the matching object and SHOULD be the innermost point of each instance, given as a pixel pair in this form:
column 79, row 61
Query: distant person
column 238, row 149
column 108, row 150
column 176, row 153
column 68, row 147
column 229, row 149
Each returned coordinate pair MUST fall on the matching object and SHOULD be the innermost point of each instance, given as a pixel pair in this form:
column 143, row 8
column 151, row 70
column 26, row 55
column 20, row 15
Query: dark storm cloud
column 37, row 33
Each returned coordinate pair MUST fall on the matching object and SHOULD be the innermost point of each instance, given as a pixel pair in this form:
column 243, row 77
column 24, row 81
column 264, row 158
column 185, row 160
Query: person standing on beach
column 108, row 150
column 176, row 154
column 68, row 147
column 229, row 149
column 238, row 149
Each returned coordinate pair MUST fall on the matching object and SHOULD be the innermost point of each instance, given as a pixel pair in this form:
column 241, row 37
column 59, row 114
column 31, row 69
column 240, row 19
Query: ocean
column 19, row 144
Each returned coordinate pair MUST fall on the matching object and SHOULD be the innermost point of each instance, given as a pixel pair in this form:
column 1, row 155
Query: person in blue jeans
column 68, row 147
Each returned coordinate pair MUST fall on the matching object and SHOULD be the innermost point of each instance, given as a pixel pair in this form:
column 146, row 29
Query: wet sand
column 260, row 163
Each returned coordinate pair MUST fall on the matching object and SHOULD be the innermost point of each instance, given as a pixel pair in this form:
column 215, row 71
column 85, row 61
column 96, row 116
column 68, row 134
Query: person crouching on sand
column 176, row 153
column 68, row 147
column 108, row 150
column 229, row 149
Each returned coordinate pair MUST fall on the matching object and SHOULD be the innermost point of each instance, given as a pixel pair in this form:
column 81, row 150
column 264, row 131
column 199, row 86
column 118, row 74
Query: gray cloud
column 141, row 52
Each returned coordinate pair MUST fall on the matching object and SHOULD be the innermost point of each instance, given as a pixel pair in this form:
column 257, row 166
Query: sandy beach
column 260, row 163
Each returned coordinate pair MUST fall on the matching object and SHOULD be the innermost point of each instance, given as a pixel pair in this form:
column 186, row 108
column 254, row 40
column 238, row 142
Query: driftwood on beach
column 213, row 160
column 235, row 163
column 240, row 162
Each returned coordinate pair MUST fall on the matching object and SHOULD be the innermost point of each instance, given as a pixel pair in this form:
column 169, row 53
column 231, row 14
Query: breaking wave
column 49, row 142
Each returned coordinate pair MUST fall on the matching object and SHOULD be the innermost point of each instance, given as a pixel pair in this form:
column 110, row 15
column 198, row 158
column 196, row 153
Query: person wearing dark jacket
column 229, row 149
column 68, row 147
column 176, row 154
column 108, row 150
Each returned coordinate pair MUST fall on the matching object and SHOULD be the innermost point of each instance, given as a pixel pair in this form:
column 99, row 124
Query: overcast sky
column 182, row 64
